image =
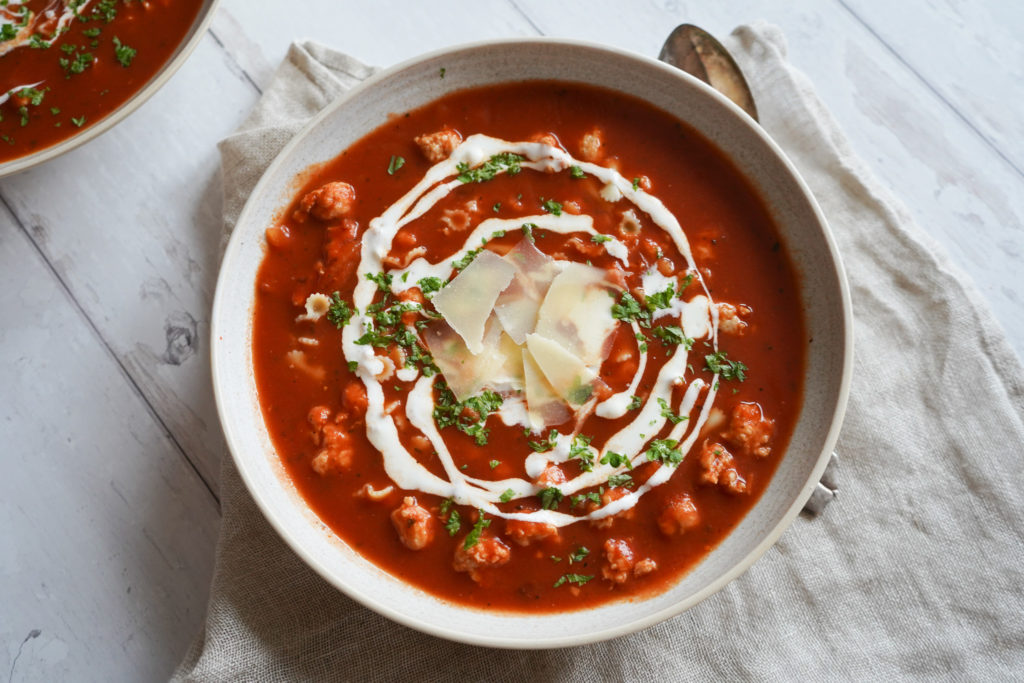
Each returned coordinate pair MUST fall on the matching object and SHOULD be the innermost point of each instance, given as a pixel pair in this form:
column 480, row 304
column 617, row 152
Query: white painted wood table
column 109, row 441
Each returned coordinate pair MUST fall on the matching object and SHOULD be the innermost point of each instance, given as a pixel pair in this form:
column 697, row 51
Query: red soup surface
column 531, row 347
column 66, row 64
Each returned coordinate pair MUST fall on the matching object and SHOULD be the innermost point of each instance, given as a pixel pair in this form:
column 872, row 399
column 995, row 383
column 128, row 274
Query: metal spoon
column 696, row 52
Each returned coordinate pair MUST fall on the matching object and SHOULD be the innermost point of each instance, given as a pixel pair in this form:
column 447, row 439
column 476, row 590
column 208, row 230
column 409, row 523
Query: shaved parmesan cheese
column 517, row 306
column 567, row 374
column 576, row 313
column 466, row 301
column 544, row 406
column 696, row 317
column 498, row 366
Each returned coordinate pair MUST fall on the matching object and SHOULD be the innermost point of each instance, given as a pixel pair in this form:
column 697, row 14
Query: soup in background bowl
column 519, row 352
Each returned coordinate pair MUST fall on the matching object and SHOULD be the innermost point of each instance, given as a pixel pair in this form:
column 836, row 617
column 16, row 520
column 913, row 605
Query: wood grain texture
column 108, row 532
column 109, row 255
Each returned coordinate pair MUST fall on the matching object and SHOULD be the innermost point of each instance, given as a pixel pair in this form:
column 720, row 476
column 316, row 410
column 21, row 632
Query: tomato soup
column 66, row 64
column 532, row 347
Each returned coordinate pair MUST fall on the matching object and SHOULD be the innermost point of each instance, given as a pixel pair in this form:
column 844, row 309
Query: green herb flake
column 666, row 412
column 463, row 262
column 552, row 207
column 662, row 299
column 528, row 231
column 339, row 312
column 547, row 444
column 600, row 239
column 575, row 579
column 353, row 366
column 624, row 480
column 576, row 172
column 550, row 497
column 454, row 523
column 672, row 335
column 636, row 184
column 579, row 554
column 629, row 309
column 580, row 450
column 429, row 285
column 665, row 452
column 635, row 402
column 79, row 121
column 506, row 161
column 473, row 537
column 443, row 70
column 719, row 364
column 614, row 459
column 497, row 207
column 494, row 463
column 123, row 53
column 396, row 163
column 507, row 495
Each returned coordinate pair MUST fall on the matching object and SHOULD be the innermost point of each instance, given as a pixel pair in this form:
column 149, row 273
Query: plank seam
column 527, row 17
column 227, row 53
column 106, row 345
column 933, row 88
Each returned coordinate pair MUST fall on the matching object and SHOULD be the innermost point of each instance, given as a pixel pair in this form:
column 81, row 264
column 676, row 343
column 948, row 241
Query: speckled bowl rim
column 170, row 67
column 284, row 521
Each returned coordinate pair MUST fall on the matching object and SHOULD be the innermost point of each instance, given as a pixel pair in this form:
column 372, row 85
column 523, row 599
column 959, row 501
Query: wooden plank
column 108, row 533
column 955, row 186
column 132, row 223
column 969, row 52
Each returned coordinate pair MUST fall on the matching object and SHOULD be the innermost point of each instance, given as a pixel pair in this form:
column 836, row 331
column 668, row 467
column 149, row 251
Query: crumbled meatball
column 749, row 430
column 551, row 476
column 590, row 146
column 719, row 468
column 524, row 533
column 414, row 524
column 729, row 320
column 327, row 203
column 440, row 145
column 588, row 249
column 620, row 560
column 610, row 496
column 487, row 552
column 644, row 567
column 335, row 454
column 679, row 515
column 354, row 398
column 547, row 139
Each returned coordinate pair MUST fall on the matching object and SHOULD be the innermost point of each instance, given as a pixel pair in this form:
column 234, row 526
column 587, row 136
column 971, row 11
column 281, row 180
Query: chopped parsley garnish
column 494, row 463
column 8, row 32
column 37, row 42
column 91, row 32
column 33, row 95
column 467, row 259
column 454, row 523
column 353, row 365
column 467, row 416
column 123, row 53
column 443, row 70
column 672, row 335
column 507, row 495
column 629, row 309
column 79, row 63
column 581, row 450
column 528, row 231
column 552, row 207
column 576, row 579
column 446, row 505
column 382, row 280
column 620, row 480
column 719, row 364
column 686, row 282
column 592, row 496
column 579, row 554
column 396, row 163
column 497, row 207
column 79, row 121
column 600, row 239
column 106, row 10
column 429, row 285
column 506, row 161
column 340, row 312
column 473, row 537
column 666, row 411
column 665, row 452
column 636, row 184
column 576, row 172
column 546, row 445
column 662, row 299
column 616, row 460
column 635, row 403
column 550, row 497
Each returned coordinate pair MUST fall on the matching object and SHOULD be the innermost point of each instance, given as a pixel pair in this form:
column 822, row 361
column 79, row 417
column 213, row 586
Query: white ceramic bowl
column 185, row 48
column 412, row 84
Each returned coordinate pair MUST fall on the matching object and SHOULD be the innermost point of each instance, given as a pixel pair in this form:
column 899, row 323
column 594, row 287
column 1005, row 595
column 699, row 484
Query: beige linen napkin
column 915, row 571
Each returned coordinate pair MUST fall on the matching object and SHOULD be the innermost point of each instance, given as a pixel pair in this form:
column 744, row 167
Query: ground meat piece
column 327, row 203
column 620, row 560
column 610, row 496
column 729, row 320
column 440, row 145
column 551, row 476
column 679, row 515
column 335, row 454
column 341, row 251
column 750, row 431
column 590, row 146
column 414, row 524
column 488, row 552
column 719, row 468
column 547, row 139
column 525, row 533
column 644, row 567
column 318, row 417
column 588, row 248
column 354, row 398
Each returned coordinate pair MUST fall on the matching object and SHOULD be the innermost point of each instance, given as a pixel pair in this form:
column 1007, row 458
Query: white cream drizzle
column 400, row 465
column 26, row 31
